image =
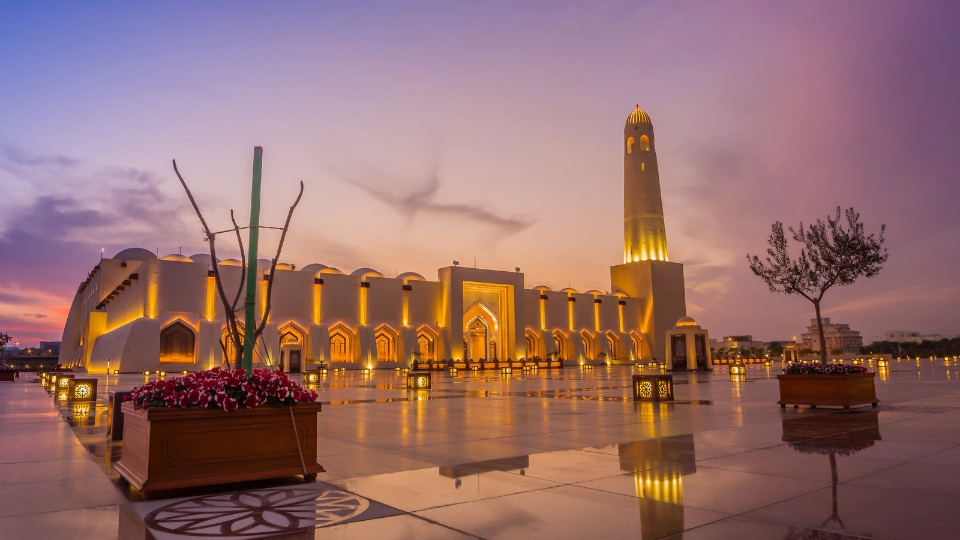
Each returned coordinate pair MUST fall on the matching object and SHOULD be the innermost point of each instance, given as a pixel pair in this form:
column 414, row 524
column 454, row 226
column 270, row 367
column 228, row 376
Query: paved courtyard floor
column 554, row 454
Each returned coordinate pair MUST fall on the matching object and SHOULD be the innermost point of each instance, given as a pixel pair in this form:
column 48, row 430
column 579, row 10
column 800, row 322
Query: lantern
column 418, row 381
column 653, row 387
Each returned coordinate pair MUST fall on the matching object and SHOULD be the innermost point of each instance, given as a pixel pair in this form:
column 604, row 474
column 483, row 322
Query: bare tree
column 830, row 254
column 231, row 308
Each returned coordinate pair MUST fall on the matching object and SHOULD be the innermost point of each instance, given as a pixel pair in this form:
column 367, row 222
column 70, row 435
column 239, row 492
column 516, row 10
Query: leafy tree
column 832, row 253
column 4, row 339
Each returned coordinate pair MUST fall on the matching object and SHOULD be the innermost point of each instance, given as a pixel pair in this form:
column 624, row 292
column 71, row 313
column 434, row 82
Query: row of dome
column 140, row 254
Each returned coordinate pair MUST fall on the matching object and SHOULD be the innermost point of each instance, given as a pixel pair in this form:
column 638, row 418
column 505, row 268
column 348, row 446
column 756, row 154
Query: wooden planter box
column 9, row 376
column 845, row 391
column 174, row 448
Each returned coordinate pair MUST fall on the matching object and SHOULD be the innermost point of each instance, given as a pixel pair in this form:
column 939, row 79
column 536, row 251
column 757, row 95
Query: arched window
column 341, row 344
column 644, row 143
column 630, row 142
column 177, row 342
column 386, row 341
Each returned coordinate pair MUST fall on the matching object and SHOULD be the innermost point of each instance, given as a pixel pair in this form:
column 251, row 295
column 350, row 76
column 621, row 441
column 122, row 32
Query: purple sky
column 446, row 130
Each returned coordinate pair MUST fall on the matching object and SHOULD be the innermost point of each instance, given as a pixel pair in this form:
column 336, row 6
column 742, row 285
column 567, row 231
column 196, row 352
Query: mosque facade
column 136, row 311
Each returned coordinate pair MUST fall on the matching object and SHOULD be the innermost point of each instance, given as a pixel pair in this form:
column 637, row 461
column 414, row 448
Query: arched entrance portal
column 291, row 348
column 482, row 333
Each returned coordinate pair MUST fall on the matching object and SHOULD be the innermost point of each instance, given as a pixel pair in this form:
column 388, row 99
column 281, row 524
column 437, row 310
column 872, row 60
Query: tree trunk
column 823, row 345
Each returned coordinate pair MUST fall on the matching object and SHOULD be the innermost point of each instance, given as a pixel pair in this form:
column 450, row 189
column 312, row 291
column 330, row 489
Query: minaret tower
column 653, row 286
column 644, row 237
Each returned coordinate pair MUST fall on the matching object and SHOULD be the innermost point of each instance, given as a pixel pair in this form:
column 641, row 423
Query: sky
column 427, row 132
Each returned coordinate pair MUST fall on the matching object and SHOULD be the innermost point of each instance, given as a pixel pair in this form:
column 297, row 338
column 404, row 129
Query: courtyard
column 552, row 454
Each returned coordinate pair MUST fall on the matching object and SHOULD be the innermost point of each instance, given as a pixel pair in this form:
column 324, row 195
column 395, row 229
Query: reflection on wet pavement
column 548, row 455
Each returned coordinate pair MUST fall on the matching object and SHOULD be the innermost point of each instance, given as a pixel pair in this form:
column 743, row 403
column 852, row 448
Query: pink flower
column 204, row 400
column 282, row 393
column 230, row 404
column 251, row 401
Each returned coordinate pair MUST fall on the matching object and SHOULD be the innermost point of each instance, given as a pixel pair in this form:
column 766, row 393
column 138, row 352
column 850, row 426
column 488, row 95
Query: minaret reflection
column 658, row 467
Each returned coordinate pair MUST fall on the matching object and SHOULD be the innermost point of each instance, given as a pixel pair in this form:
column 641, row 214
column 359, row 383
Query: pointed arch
column 292, row 334
column 343, row 343
column 534, row 343
column 178, row 343
column 636, row 345
column 613, row 342
column 630, row 143
column 560, row 344
column 427, row 344
column 227, row 346
column 589, row 345
column 385, row 341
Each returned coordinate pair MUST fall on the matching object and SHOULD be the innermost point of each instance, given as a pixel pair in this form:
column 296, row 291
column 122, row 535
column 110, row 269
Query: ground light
column 738, row 372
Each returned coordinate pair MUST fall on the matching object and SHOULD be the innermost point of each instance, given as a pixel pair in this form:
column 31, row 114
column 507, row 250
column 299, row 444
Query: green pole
column 250, row 322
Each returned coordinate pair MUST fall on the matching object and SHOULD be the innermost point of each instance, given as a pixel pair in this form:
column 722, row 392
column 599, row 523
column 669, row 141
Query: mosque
column 137, row 312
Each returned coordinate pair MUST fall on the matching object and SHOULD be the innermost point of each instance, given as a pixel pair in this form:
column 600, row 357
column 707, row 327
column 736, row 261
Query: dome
column 594, row 292
column 569, row 290
column 686, row 321
column 410, row 276
column 314, row 268
column 202, row 258
column 542, row 288
column 285, row 266
column 135, row 254
column 177, row 257
column 331, row 270
column 230, row 262
column 638, row 116
column 364, row 273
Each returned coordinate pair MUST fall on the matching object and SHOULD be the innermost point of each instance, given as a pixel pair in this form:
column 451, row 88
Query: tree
column 4, row 339
column 831, row 254
column 230, row 309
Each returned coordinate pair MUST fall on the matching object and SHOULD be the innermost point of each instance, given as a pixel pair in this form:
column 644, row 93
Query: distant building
column 910, row 336
column 737, row 342
column 835, row 336
column 11, row 351
column 50, row 348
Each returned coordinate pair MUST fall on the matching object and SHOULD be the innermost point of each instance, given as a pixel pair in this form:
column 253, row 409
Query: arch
column 291, row 339
column 291, row 334
column 636, row 345
column 342, row 344
column 589, row 345
column 427, row 344
column 227, row 346
column 560, row 344
column 478, row 334
column 644, row 143
column 385, row 341
column 614, row 344
column 534, row 345
column 630, row 143
column 177, row 344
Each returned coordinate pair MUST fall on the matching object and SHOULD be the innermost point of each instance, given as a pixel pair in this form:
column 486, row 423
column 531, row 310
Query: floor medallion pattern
column 255, row 513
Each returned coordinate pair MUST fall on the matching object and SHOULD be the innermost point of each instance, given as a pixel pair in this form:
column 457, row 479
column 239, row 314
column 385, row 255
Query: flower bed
column 218, row 426
column 223, row 389
column 796, row 368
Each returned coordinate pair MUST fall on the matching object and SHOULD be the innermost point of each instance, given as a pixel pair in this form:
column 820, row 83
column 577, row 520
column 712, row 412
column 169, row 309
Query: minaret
column 644, row 238
column 655, row 299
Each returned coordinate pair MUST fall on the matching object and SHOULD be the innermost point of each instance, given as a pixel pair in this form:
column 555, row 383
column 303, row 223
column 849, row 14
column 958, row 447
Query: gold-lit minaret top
column 644, row 237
